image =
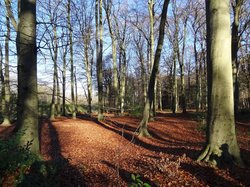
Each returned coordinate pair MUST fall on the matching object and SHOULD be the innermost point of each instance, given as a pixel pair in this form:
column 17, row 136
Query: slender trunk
column 88, row 72
column 76, row 99
column 99, row 50
column 160, row 94
column 198, row 102
column 1, row 78
column 58, row 96
column 143, row 131
column 123, row 80
column 114, row 58
column 54, row 106
column 182, row 64
column 64, row 83
column 235, row 47
column 27, row 118
column 73, row 104
column 151, row 47
column 6, row 93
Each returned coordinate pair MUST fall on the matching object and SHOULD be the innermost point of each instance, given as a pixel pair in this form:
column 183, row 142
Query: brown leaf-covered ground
column 107, row 153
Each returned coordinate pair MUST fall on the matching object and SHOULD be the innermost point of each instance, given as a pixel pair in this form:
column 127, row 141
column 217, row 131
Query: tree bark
column 143, row 130
column 1, row 78
column 99, row 50
column 72, row 84
column 6, row 93
column 235, row 48
column 222, row 146
column 114, row 58
column 27, row 118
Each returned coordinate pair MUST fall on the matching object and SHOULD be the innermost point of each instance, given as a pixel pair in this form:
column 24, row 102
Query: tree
column 99, row 50
column 222, row 143
column 235, row 47
column 73, row 102
column 6, row 91
column 112, row 33
column 143, row 131
column 27, row 118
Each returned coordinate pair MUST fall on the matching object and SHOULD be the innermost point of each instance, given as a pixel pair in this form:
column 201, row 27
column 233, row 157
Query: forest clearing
column 124, row 93
column 107, row 153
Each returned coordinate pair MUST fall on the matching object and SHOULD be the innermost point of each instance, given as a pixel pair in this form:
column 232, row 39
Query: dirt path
column 106, row 154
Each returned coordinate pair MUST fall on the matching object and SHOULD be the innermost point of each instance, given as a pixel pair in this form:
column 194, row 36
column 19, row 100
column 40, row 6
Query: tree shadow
column 133, row 138
column 207, row 174
column 126, row 175
column 54, row 172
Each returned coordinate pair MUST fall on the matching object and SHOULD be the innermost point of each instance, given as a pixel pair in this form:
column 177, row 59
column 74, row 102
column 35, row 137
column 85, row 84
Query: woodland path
column 107, row 153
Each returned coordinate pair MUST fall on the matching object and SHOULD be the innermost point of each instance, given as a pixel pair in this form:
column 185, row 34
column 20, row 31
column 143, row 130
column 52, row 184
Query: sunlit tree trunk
column 99, row 50
column 88, row 67
column 151, row 47
column 53, row 52
column 181, row 63
column 64, row 82
column 113, row 42
column 159, row 85
column 235, row 48
column 27, row 118
column 6, row 92
column 198, row 99
column 72, row 84
column 143, row 129
column 222, row 146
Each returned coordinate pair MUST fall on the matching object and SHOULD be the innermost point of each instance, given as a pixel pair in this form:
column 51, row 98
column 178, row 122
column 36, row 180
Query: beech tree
column 27, row 118
column 99, row 51
column 143, row 131
column 222, row 144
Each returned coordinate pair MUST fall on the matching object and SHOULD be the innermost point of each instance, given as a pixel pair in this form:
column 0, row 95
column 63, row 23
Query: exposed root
column 143, row 132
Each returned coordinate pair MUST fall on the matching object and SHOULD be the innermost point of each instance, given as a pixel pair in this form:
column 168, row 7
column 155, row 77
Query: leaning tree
column 143, row 131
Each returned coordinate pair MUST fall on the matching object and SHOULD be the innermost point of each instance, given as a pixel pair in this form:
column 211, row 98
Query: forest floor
column 107, row 153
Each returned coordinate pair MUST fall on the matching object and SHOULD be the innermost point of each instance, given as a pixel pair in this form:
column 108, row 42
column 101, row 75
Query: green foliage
column 137, row 182
column 27, row 168
column 137, row 111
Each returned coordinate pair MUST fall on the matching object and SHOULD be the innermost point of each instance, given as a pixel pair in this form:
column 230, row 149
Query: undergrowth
column 24, row 168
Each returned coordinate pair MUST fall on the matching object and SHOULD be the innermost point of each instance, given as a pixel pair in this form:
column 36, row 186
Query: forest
column 124, row 93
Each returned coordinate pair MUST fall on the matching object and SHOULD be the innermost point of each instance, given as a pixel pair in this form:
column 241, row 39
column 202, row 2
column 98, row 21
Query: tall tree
column 27, row 118
column 143, row 130
column 1, row 77
column 235, row 47
column 6, row 91
column 72, row 84
column 112, row 33
column 222, row 143
column 99, row 50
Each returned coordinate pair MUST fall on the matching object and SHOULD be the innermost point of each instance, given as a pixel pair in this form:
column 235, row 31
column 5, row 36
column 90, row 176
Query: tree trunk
column 235, row 48
column 27, row 118
column 198, row 99
column 6, row 93
column 73, row 104
column 88, row 71
column 222, row 146
column 99, row 50
column 143, row 131
column 1, row 78
column 114, row 58
column 64, row 83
